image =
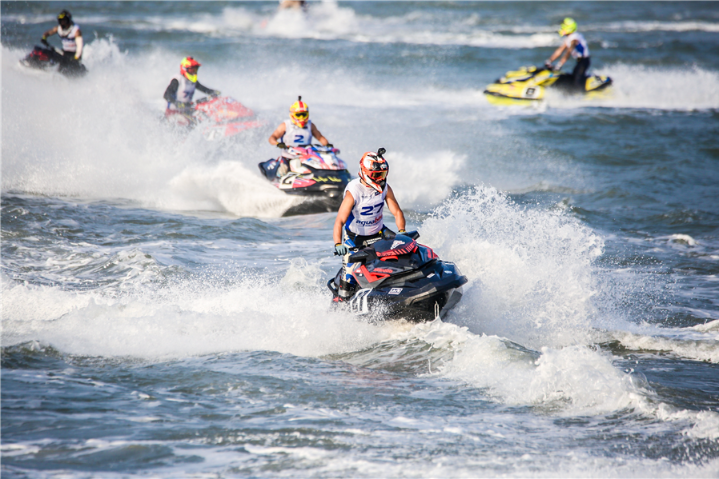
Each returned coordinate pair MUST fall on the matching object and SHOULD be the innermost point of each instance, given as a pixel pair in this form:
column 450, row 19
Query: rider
column 574, row 44
column 297, row 131
column 359, row 218
column 182, row 87
column 71, row 37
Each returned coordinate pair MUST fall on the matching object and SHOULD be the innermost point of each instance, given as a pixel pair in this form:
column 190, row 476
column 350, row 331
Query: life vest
column 68, row 37
column 296, row 136
column 580, row 50
column 185, row 89
column 366, row 217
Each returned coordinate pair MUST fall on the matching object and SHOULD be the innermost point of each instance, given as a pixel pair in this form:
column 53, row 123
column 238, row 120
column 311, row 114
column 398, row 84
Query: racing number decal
column 287, row 180
column 367, row 210
column 299, row 139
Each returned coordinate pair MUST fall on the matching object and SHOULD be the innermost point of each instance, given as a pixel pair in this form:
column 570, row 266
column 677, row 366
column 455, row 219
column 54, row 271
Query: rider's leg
column 347, row 281
column 579, row 74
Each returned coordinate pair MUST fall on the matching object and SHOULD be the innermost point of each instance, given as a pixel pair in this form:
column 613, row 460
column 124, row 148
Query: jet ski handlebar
column 362, row 255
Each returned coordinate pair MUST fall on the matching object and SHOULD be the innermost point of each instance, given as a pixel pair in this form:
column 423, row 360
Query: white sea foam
column 657, row 26
column 690, row 88
column 418, row 188
column 571, row 381
column 187, row 320
column 702, row 347
column 530, row 269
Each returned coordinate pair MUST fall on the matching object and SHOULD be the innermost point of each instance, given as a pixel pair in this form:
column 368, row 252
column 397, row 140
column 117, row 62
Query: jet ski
column 48, row 58
column 313, row 171
column 218, row 116
column 398, row 278
column 528, row 85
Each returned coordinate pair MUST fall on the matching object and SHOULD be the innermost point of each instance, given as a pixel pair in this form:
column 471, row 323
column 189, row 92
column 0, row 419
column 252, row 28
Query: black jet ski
column 312, row 171
column 398, row 278
column 47, row 58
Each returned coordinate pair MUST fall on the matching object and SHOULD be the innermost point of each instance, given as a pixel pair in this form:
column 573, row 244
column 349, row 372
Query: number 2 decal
column 300, row 139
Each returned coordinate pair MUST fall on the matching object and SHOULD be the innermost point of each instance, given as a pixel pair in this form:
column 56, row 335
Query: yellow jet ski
column 527, row 85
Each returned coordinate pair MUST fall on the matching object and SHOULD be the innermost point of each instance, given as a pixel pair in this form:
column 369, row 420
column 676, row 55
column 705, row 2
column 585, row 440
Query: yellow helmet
column 188, row 68
column 300, row 113
column 568, row 26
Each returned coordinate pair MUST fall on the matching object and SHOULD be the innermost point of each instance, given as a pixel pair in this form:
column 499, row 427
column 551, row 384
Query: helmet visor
column 380, row 175
column 301, row 115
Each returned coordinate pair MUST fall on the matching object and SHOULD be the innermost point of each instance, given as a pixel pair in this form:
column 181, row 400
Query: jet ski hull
column 320, row 176
column 527, row 86
column 414, row 287
column 219, row 118
column 46, row 58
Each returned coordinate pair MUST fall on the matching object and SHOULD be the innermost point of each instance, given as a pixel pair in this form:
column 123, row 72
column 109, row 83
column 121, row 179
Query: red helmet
column 188, row 68
column 374, row 169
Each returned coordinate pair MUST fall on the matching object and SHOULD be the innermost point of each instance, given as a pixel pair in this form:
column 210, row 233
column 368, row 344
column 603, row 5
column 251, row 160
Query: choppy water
column 161, row 318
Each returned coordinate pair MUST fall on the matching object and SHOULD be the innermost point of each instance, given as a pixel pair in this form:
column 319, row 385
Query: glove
column 281, row 145
column 182, row 104
column 401, row 232
column 329, row 145
column 215, row 93
column 43, row 40
column 341, row 249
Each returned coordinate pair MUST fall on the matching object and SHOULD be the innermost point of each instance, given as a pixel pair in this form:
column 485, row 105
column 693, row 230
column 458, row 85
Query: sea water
column 161, row 318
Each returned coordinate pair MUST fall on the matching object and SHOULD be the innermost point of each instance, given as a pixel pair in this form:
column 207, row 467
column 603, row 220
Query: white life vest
column 366, row 217
column 68, row 37
column 296, row 136
column 185, row 89
column 580, row 50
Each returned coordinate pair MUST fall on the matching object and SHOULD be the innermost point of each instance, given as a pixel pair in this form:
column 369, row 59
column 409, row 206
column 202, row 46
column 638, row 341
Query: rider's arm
column 565, row 57
column 79, row 42
column 394, row 209
column 171, row 91
column 52, row 31
column 278, row 133
column 203, row 88
column 344, row 212
column 556, row 53
column 316, row 133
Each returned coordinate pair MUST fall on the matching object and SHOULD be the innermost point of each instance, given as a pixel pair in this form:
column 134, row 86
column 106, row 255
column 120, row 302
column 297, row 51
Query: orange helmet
column 374, row 169
column 300, row 113
column 188, row 68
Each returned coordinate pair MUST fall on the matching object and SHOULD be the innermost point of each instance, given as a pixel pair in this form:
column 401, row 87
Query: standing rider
column 72, row 42
column 182, row 87
column 574, row 44
column 360, row 216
